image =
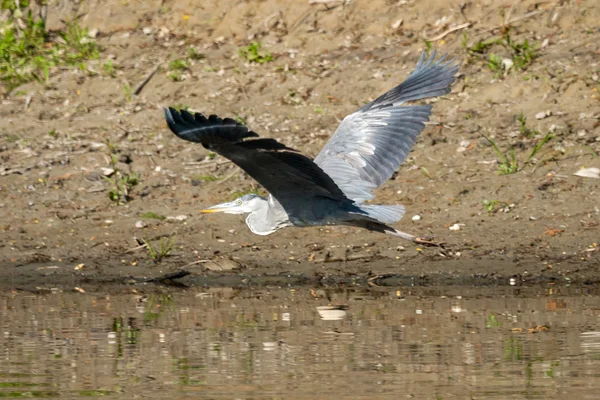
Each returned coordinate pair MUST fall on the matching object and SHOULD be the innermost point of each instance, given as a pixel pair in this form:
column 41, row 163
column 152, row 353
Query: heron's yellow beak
column 228, row 208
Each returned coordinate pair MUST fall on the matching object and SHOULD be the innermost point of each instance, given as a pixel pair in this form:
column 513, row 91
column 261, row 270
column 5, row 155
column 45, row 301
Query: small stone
column 125, row 158
column 397, row 24
column 456, row 227
column 147, row 30
column 416, row 218
column 140, row 224
column 97, row 145
column 178, row 218
column 543, row 114
column 107, row 171
column 532, row 218
column 93, row 32
column 93, row 176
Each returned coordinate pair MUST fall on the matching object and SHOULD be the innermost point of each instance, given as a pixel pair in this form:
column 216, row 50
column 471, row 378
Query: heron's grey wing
column 289, row 176
column 370, row 144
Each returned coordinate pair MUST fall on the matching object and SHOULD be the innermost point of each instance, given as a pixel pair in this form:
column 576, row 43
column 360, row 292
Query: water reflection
column 279, row 343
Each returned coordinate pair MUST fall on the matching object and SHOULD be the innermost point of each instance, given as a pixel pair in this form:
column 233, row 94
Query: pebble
column 93, row 32
column 125, row 158
column 416, row 218
column 456, row 227
column 107, row 171
column 93, row 176
column 97, row 145
column 178, row 218
column 543, row 114
column 147, row 30
column 140, row 224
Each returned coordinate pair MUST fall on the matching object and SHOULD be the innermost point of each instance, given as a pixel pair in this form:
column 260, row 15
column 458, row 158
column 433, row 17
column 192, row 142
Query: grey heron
column 363, row 153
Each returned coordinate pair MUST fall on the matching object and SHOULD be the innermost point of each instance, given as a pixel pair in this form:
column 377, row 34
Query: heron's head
column 242, row 205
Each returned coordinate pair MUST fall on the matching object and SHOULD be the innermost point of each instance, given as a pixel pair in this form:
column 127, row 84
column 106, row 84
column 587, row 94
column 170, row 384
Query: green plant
column 240, row 120
column 164, row 249
column 205, row 178
column 176, row 69
column 478, row 47
column 127, row 92
column 522, row 120
column 29, row 52
column 492, row 322
column 495, row 65
column 109, row 69
column 521, row 54
column 181, row 106
column 79, row 46
column 253, row 53
column 428, row 45
column 122, row 183
column 13, row 5
column 194, row 55
column 489, row 205
column 153, row 215
column 11, row 138
column 508, row 161
column 53, row 133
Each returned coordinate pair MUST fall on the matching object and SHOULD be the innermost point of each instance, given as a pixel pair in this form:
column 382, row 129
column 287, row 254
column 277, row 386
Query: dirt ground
column 59, row 225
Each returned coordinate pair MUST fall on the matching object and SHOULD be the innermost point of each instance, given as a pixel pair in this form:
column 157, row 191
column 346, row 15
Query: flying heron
column 363, row 153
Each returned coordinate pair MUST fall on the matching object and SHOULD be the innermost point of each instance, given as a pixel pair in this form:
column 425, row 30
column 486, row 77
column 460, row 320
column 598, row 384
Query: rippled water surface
column 303, row 343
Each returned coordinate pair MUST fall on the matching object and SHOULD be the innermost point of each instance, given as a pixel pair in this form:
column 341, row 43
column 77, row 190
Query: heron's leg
column 379, row 227
column 424, row 241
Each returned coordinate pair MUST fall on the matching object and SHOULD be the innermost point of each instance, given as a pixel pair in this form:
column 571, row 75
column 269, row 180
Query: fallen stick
column 139, row 89
column 449, row 31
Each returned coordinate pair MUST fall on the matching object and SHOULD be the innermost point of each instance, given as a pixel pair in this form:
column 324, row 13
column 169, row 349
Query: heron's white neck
column 268, row 218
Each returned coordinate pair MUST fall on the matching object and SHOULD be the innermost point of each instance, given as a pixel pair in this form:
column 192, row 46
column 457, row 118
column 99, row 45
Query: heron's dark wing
column 286, row 174
column 370, row 144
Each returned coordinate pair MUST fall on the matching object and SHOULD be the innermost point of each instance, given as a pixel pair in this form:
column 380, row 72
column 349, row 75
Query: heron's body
column 363, row 153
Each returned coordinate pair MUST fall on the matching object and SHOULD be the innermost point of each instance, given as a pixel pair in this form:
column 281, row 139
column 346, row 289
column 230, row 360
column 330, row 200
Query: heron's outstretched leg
column 383, row 228
column 424, row 241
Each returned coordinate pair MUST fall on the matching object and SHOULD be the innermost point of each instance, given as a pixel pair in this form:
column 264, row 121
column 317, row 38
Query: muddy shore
column 58, row 225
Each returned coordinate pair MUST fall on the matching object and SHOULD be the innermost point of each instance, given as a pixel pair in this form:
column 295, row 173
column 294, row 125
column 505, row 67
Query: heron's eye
column 239, row 202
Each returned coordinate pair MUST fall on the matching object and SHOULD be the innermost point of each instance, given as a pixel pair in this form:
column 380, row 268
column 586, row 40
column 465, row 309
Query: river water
column 303, row 343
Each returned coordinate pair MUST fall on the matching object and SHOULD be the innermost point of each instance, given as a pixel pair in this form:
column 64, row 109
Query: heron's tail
column 383, row 214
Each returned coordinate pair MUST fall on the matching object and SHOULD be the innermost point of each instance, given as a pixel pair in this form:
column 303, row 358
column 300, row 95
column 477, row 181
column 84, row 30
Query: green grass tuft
column 153, row 215
column 28, row 51
column 254, row 53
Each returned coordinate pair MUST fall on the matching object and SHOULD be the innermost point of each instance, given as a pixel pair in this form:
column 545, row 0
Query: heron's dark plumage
column 285, row 173
column 197, row 128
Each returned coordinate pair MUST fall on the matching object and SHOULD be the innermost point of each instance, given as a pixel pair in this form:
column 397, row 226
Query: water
column 223, row 343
